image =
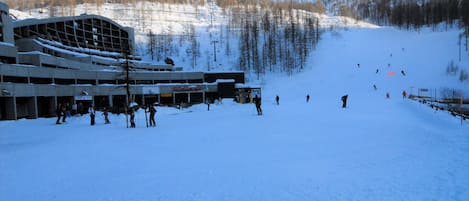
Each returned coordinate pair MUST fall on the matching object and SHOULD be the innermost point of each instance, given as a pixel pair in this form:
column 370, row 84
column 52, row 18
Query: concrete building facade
column 89, row 60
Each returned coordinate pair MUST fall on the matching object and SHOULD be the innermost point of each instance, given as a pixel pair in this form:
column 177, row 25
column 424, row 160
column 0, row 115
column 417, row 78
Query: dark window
column 144, row 82
column 15, row 79
column 196, row 81
column 64, row 81
column 106, row 81
column 37, row 80
column 92, row 82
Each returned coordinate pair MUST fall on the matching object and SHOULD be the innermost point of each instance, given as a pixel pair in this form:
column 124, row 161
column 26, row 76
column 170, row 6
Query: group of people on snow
column 61, row 113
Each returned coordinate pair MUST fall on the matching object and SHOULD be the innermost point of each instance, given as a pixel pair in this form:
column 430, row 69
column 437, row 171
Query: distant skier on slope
column 307, row 98
column 277, row 99
column 344, row 101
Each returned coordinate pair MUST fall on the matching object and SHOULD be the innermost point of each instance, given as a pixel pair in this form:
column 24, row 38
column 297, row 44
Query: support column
column 159, row 98
column 55, row 102
column 110, row 101
column 174, row 98
column 15, row 112
column 36, row 113
column 188, row 97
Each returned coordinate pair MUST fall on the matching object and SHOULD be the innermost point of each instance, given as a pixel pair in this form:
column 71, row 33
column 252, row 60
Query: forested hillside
column 252, row 36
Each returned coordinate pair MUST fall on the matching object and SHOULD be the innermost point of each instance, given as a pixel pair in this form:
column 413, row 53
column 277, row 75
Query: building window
column 1, row 34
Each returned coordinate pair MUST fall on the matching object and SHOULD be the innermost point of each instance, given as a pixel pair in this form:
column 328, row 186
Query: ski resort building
column 89, row 60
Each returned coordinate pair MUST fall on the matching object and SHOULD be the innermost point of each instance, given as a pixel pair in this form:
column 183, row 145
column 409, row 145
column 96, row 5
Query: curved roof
column 33, row 21
column 83, row 31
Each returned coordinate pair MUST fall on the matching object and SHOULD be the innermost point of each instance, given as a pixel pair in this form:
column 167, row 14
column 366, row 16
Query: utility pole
column 127, row 88
column 460, row 108
column 459, row 43
column 214, row 50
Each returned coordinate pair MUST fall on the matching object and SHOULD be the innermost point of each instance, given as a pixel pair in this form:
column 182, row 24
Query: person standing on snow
column 344, row 101
column 132, row 118
column 106, row 116
column 58, row 112
column 277, row 99
column 404, row 94
column 92, row 112
column 257, row 101
column 307, row 98
column 152, row 116
column 64, row 112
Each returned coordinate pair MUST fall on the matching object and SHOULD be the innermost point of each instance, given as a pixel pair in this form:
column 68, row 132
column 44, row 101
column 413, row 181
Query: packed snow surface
column 376, row 149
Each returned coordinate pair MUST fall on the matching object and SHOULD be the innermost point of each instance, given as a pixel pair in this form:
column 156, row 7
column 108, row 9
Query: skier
column 106, row 118
column 404, row 94
column 58, row 112
column 402, row 72
column 387, row 95
column 92, row 112
column 374, row 86
column 208, row 104
column 64, row 112
column 152, row 116
column 344, row 101
column 257, row 101
column 132, row 118
column 307, row 98
column 277, row 99
column 377, row 71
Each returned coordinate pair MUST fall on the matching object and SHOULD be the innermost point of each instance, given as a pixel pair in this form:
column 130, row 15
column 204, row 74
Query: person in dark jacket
column 92, row 112
column 277, row 99
column 63, row 108
column 344, row 101
column 307, row 98
column 106, row 116
column 132, row 118
column 152, row 116
column 58, row 112
column 257, row 101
